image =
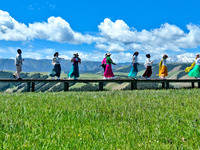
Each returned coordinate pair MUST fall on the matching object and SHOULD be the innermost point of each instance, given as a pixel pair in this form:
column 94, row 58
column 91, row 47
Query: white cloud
column 113, row 36
column 156, row 41
column 186, row 57
column 55, row 29
column 2, row 50
column 192, row 39
column 122, row 57
column 111, row 47
column 10, row 29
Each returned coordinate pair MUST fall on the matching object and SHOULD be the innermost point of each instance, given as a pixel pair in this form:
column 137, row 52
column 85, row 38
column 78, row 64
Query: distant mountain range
column 175, row 71
column 45, row 65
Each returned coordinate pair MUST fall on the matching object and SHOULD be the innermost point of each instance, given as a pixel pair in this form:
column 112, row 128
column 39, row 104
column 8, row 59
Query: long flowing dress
column 108, row 71
column 57, row 68
column 74, row 73
column 134, row 68
column 195, row 72
column 163, row 68
column 148, row 70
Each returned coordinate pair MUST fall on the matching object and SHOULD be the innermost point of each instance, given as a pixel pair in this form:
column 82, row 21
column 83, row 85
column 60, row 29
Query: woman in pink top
column 103, row 63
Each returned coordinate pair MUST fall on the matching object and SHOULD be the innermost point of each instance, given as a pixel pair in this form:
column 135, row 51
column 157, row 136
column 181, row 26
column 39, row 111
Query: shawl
column 189, row 68
column 160, row 66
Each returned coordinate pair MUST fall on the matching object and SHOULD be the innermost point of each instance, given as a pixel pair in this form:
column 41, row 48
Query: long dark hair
column 136, row 53
column 19, row 51
column 165, row 56
column 56, row 53
column 148, row 55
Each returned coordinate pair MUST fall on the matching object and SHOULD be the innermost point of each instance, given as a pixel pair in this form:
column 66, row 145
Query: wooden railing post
column 66, row 86
column 192, row 84
column 167, row 85
column 163, row 85
column 132, row 85
column 33, row 87
column 100, row 86
column 28, row 86
column 135, row 85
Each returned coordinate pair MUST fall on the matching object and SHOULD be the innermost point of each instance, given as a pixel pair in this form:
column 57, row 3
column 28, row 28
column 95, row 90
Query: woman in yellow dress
column 163, row 72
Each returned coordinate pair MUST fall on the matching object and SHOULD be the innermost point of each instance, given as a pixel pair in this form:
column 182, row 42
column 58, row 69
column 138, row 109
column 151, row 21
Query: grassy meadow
column 146, row 119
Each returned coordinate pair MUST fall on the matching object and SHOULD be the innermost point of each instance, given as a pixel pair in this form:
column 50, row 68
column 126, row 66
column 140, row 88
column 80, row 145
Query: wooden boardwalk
column 165, row 83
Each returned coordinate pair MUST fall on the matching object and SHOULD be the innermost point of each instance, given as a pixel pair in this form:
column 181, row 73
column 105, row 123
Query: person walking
column 74, row 73
column 192, row 65
column 163, row 72
column 134, row 66
column 57, row 67
column 195, row 72
column 108, row 70
column 148, row 65
column 18, row 63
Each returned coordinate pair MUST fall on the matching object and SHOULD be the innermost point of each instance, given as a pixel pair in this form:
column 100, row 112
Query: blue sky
column 93, row 28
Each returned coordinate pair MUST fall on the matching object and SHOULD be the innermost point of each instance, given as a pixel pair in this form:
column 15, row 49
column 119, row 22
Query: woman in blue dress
column 74, row 73
column 134, row 66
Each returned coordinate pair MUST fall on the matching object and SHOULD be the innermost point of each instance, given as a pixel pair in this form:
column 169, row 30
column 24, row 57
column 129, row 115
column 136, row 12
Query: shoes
column 14, row 76
column 163, row 78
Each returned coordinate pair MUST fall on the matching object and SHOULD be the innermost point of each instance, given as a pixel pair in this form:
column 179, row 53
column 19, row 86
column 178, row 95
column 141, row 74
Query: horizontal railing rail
column 165, row 83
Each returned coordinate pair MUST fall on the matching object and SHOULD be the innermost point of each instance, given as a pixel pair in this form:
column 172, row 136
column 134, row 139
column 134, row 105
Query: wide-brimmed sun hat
column 108, row 54
column 76, row 54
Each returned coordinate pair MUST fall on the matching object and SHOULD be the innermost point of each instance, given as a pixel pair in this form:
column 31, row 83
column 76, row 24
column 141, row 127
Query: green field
column 146, row 119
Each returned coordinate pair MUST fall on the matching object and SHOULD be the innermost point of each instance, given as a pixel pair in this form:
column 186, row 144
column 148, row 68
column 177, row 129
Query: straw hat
column 108, row 54
column 75, row 54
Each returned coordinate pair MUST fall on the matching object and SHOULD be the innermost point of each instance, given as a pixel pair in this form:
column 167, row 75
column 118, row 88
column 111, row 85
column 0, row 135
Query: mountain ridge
column 45, row 65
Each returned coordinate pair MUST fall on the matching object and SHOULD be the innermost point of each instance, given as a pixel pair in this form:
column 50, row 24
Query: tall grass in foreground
column 148, row 119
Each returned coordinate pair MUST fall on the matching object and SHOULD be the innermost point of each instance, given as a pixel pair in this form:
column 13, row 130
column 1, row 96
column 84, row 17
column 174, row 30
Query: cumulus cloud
column 111, row 47
column 167, row 37
column 114, row 36
column 55, row 29
column 186, row 57
column 97, row 56
column 156, row 41
column 10, row 29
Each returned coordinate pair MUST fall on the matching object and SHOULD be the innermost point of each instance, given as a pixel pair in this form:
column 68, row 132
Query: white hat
column 108, row 54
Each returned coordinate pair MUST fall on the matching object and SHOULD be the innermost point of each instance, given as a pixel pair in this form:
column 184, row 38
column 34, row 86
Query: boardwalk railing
column 165, row 83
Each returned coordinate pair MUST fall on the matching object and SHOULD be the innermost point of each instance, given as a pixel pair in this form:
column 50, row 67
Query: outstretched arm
column 79, row 60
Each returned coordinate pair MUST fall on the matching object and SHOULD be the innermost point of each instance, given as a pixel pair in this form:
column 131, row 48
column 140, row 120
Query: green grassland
column 147, row 119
